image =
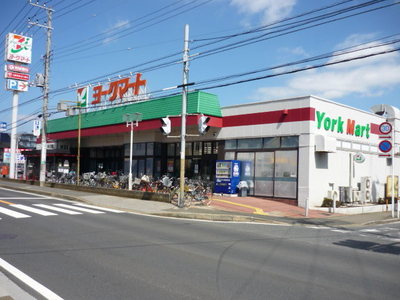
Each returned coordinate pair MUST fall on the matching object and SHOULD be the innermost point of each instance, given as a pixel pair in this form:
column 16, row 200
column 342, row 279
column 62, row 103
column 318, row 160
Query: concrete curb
column 217, row 217
column 226, row 217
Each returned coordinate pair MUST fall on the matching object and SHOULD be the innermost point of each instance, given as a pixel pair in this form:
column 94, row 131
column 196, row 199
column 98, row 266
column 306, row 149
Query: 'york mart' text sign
column 341, row 125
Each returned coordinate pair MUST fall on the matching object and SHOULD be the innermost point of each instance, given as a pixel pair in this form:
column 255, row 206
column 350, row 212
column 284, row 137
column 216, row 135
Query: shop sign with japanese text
column 19, row 48
column 120, row 89
column 18, row 76
column 16, row 68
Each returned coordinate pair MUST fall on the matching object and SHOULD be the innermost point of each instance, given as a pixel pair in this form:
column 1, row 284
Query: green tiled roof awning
column 198, row 102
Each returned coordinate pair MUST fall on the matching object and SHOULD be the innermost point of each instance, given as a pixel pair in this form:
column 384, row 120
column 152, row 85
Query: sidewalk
column 245, row 209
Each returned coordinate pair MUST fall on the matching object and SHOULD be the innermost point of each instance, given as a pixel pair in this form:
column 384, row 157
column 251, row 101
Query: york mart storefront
column 299, row 148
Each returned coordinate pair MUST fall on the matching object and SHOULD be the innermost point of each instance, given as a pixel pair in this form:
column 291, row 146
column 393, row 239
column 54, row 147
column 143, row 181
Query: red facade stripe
column 270, row 117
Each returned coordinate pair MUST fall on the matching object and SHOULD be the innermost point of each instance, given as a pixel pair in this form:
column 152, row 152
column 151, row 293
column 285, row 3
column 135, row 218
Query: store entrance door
column 270, row 173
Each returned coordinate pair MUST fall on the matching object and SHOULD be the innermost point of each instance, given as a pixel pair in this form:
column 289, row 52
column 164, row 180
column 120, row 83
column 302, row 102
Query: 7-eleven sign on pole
column 83, row 95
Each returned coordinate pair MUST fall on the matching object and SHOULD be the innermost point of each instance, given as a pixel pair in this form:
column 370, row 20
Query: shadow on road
column 391, row 248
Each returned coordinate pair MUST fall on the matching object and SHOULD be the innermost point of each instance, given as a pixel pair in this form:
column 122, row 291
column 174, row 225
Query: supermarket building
column 303, row 148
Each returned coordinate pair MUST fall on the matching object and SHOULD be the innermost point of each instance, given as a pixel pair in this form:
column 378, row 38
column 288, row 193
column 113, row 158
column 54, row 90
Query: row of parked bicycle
column 196, row 191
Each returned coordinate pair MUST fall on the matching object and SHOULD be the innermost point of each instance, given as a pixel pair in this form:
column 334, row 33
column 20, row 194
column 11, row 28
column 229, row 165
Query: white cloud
column 366, row 77
column 270, row 10
column 120, row 24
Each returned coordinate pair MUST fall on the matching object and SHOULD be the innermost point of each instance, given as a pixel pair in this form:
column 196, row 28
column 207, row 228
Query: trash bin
column 243, row 188
column 243, row 192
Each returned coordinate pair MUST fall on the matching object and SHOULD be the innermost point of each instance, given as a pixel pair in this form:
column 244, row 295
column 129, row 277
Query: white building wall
column 339, row 167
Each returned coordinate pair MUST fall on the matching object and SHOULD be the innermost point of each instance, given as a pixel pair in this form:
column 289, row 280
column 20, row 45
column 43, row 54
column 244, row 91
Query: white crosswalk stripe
column 74, row 207
column 12, row 213
column 53, row 210
column 33, row 210
column 100, row 208
column 59, row 209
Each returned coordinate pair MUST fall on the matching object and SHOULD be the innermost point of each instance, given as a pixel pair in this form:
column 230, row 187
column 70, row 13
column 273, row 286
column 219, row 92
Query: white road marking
column 41, row 289
column 74, row 207
column 370, row 230
column 341, row 231
column 100, row 208
column 34, row 210
column 63, row 210
column 12, row 213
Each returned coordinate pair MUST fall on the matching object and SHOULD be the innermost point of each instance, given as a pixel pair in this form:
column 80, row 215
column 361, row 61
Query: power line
column 119, row 35
column 15, row 17
column 301, row 69
column 116, row 28
column 281, row 32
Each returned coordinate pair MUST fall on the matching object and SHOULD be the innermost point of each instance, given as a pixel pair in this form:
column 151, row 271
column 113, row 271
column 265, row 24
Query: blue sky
column 92, row 39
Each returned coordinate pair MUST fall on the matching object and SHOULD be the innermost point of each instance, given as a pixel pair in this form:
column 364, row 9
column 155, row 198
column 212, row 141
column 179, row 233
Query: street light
column 130, row 119
column 69, row 111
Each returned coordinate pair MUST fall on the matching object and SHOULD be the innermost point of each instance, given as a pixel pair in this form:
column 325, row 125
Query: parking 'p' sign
column 385, row 128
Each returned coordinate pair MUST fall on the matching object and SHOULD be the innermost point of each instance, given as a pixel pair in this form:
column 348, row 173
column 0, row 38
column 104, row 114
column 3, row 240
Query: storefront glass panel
column 247, row 159
column 230, row 144
column 290, row 141
column 264, row 174
column 149, row 166
column 229, row 155
column 272, row 142
column 141, row 170
column 250, row 144
column 285, row 184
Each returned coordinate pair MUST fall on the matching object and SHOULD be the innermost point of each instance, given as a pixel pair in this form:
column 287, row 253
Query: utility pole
column 49, row 28
column 183, row 116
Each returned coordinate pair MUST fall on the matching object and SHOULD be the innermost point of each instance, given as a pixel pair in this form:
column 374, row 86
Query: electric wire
column 280, row 32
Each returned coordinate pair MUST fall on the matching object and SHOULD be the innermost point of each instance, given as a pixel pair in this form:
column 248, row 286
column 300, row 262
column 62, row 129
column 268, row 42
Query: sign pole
column 393, row 148
column 183, row 116
column 13, row 135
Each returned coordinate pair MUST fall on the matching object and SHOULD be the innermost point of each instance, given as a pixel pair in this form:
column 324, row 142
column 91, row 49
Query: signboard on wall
column 17, row 85
column 18, row 48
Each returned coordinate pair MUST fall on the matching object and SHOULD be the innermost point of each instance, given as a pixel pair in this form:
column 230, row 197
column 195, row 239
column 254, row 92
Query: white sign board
column 19, row 48
column 17, row 85
column 3, row 126
column 37, row 125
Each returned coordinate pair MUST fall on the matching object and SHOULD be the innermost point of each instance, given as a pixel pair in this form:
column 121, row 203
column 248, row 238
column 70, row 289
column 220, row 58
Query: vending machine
column 227, row 176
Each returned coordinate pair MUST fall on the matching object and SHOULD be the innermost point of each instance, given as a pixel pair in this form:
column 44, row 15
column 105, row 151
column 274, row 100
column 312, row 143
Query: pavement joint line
column 257, row 210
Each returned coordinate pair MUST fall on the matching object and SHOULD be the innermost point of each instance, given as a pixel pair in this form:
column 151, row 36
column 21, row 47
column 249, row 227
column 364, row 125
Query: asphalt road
column 113, row 255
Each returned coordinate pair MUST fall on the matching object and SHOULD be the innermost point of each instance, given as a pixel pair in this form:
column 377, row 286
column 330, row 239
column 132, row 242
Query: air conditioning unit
column 356, row 196
column 366, row 189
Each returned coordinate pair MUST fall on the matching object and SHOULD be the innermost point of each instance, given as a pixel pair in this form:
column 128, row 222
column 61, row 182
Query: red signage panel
column 15, row 68
column 18, row 76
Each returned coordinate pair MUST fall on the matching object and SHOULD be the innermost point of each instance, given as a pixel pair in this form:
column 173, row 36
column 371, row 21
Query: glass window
column 229, row 155
column 285, row 184
column 157, row 149
column 188, row 149
column 150, row 149
column 290, row 141
column 207, row 147
column 250, row 144
column 197, row 148
column 231, row 144
column 141, row 168
column 139, row 149
column 149, row 166
column 272, row 142
column 171, row 149
column 157, row 169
